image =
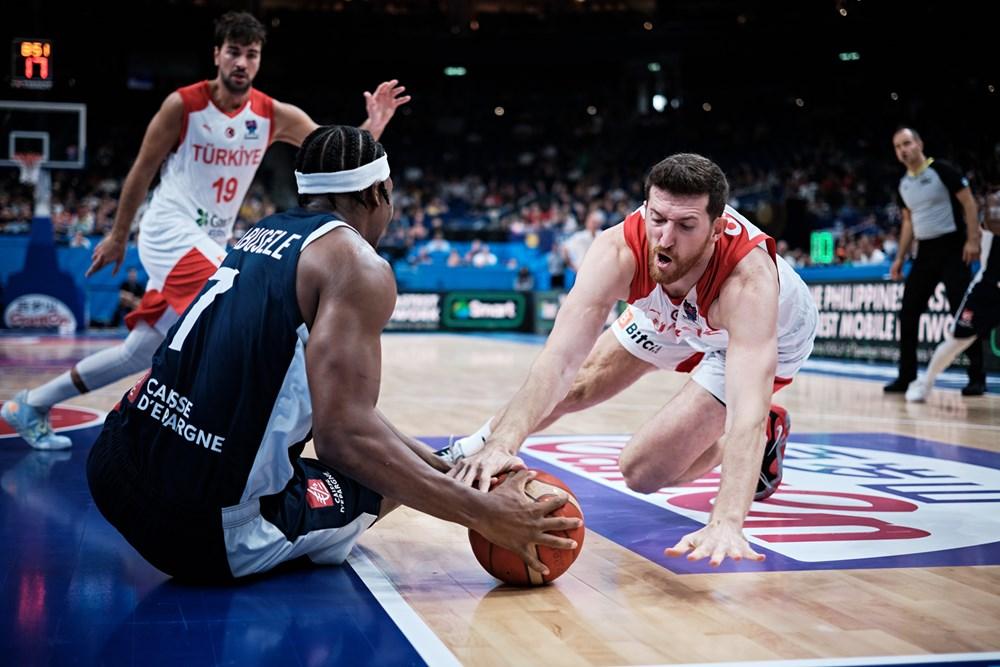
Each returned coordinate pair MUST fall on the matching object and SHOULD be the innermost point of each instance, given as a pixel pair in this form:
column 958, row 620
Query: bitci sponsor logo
column 846, row 501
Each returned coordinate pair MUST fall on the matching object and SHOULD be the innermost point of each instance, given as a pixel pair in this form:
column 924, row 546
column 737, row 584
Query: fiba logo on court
column 39, row 311
column 847, row 501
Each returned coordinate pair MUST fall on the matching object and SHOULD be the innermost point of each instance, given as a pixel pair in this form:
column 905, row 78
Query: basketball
column 506, row 565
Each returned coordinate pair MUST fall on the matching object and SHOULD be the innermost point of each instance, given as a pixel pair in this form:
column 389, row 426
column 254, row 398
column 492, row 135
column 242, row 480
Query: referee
column 936, row 200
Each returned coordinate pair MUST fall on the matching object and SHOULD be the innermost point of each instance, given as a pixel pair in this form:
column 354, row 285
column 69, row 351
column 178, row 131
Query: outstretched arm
column 346, row 294
column 293, row 125
column 381, row 106
column 162, row 135
column 748, row 310
column 603, row 280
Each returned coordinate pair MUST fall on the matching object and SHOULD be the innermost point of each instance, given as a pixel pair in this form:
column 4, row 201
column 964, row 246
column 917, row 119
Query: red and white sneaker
column 778, row 426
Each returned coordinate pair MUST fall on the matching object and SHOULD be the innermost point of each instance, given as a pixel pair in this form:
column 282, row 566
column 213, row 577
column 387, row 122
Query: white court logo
column 39, row 311
column 837, row 502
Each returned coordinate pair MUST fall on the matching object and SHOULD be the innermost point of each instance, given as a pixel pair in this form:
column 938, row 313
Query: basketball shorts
column 179, row 258
column 979, row 313
column 318, row 517
column 636, row 333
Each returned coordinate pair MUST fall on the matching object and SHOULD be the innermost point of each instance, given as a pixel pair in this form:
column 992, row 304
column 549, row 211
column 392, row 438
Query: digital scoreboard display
column 31, row 63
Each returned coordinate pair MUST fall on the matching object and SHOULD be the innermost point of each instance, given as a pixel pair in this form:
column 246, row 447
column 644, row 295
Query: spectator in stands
column 576, row 246
column 79, row 240
column 438, row 243
column 868, row 252
column 524, row 281
column 939, row 212
column 129, row 295
column 484, row 257
column 557, row 266
column 454, row 258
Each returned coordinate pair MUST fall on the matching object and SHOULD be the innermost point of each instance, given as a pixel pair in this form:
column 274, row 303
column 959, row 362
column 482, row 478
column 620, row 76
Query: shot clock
column 31, row 63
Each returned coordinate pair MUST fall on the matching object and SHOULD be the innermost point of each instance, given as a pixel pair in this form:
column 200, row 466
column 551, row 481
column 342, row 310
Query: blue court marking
column 72, row 591
column 648, row 529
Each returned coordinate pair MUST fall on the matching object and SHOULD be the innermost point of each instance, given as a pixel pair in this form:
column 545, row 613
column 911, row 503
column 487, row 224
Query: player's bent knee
column 640, row 476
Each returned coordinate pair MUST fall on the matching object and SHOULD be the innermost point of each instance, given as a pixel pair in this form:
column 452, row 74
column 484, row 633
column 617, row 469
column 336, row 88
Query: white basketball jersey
column 207, row 176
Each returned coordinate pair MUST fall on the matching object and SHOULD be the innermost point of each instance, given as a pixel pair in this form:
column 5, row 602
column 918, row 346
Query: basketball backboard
column 56, row 130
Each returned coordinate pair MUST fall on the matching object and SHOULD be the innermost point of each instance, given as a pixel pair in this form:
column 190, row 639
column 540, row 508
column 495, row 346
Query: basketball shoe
column 778, row 425
column 32, row 424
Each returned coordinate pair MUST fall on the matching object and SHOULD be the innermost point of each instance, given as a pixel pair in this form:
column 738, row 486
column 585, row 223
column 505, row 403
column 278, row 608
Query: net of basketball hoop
column 30, row 165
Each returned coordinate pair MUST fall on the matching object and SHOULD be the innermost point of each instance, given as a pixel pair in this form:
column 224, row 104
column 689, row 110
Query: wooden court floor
column 620, row 606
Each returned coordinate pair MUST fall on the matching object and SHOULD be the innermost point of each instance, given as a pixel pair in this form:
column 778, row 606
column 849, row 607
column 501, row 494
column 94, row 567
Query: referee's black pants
column 938, row 260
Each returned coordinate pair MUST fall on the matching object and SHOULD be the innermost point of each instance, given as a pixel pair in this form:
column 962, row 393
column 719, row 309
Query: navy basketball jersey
column 226, row 408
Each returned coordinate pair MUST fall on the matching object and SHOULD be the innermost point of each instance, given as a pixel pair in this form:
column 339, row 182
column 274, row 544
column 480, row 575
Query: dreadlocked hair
column 332, row 148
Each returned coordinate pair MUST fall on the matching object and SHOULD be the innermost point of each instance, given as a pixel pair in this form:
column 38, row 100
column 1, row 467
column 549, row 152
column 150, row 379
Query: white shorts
column 636, row 333
column 179, row 258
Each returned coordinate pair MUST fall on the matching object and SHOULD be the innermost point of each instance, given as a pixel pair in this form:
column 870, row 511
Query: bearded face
column 668, row 265
column 680, row 234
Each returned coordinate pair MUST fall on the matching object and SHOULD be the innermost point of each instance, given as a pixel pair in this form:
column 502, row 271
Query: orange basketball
column 506, row 565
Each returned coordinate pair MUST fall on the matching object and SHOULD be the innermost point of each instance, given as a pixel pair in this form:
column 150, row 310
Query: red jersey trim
column 195, row 97
column 634, row 228
column 729, row 250
column 263, row 105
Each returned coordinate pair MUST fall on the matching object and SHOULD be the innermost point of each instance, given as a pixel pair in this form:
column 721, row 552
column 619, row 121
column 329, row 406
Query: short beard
column 677, row 268
column 233, row 88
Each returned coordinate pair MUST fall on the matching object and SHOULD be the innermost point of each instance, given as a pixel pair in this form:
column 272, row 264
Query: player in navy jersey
column 200, row 465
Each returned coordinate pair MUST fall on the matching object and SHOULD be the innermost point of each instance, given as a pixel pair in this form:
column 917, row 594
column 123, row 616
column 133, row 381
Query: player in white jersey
column 207, row 140
column 707, row 294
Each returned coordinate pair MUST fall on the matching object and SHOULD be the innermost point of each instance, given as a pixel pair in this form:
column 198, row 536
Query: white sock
column 944, row 354
column 53, row 391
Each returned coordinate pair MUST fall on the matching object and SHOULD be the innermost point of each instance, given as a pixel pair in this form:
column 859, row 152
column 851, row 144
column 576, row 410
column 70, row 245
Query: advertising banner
column 860, row 321
column 484, row 310
column 416, row 312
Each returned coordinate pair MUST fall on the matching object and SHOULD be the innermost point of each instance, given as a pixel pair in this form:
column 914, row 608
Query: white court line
column 422, row 638
column 850, row 662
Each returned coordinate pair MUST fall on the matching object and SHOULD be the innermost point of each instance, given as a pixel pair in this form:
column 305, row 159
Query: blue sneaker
column 32, row 424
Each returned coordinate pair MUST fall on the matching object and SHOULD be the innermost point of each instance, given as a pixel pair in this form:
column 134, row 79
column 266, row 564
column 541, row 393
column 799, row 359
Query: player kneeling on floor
column 199, row 466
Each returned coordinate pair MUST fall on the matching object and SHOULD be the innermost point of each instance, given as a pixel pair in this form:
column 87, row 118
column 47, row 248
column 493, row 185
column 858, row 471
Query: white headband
column 350, row 180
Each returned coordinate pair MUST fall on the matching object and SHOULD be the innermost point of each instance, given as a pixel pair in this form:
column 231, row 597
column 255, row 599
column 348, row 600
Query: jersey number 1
column 224, row 279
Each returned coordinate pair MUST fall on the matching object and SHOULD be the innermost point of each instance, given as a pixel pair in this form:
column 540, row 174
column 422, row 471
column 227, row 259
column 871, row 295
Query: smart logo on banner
column 484, row 310
column 847, row 501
